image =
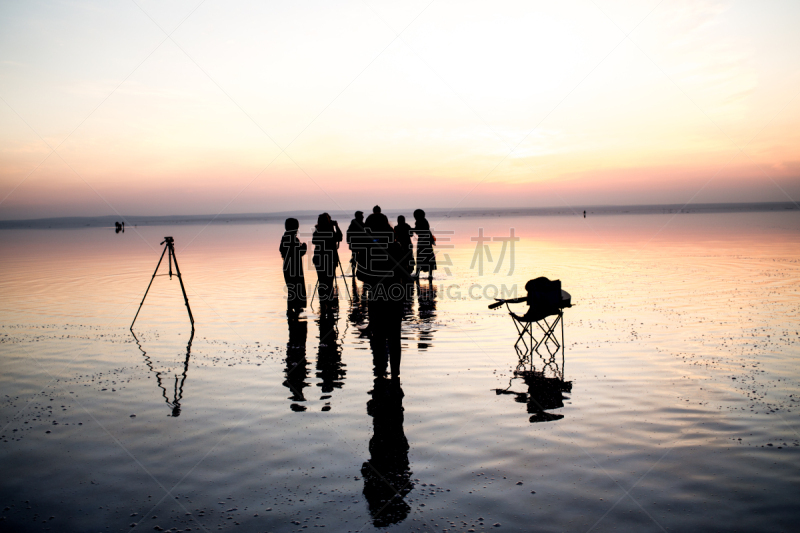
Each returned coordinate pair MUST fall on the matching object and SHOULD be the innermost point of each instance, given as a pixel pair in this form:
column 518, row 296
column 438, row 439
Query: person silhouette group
column 382, row 258
column 377, row 229
column 379, row 252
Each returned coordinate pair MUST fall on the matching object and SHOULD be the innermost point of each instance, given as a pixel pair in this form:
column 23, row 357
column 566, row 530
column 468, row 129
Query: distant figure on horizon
column 402, row 234
column 426, row 259
column 326, row 239
column 118, row 227
column 292, row 252
column 584, row 213
column 354, row 231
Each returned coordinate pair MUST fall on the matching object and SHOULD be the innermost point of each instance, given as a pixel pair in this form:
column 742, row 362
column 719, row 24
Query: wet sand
column 681, row 349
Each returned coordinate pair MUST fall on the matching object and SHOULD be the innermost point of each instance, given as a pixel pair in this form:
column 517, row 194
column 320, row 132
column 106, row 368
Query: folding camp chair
column 537, row 328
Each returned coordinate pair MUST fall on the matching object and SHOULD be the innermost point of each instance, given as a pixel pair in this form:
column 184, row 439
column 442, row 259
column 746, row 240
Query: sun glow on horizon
column 249, row 107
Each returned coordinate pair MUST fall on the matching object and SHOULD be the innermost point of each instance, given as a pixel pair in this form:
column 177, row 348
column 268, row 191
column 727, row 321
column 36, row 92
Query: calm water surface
column 681, row 347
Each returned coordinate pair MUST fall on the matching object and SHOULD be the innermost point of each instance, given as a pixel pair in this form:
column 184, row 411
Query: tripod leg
column 148, row 286
column 180, row 278
column 314, row 293
column 345, row 283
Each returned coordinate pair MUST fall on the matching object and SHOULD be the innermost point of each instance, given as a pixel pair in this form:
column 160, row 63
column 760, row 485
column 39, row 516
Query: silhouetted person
column 377, row 219
column 379, row 249
column 355, row 231
column 296, row 364
column 385, row 312
column 386, row 280
column 584, row 213
column 117, row 227
column 387, row 474
column 123, row 226
column 292, row 252
column 426, row 259
column 402, row 234
column 326, row 239
column 330, row 369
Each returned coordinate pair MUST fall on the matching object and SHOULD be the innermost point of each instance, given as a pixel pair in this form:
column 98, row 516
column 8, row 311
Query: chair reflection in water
column 538, row 346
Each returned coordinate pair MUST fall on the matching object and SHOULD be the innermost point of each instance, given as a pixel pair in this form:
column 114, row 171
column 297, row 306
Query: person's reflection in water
column 426, row 308
column 387, row 474
column 296, row 364
column 330, row 369
column 358, row 306
column 177, row 388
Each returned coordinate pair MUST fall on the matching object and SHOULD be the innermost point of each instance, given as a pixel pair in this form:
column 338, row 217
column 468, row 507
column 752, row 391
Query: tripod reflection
column 175, row 396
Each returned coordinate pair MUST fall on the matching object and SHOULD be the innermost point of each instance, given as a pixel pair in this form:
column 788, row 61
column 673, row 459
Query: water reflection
column 176, row 393
column 387, row 475
column 296, row 364
column 426, row 310
column 358, row 306
column 330, row 369
column 543, row 395
column 546, row 387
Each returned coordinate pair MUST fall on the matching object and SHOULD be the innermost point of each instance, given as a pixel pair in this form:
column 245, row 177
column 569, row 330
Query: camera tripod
column 335, row 276
column 170, row 247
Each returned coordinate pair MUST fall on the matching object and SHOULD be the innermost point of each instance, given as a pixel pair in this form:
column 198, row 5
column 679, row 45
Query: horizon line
column 276, row 216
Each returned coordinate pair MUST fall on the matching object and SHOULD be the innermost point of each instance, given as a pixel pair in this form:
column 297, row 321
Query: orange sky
column 250, row 108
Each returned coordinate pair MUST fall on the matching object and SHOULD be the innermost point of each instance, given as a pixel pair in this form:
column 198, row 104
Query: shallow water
column 681, row 348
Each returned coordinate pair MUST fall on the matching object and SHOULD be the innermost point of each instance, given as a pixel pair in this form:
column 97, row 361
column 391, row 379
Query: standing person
column 326, row 239
column 354, row 232
column 402, row 235
column 377, row 219
column 426, row 259
column 292, row 252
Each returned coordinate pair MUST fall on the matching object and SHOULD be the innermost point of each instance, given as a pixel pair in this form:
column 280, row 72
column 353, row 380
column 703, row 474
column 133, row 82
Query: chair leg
column 549, row 340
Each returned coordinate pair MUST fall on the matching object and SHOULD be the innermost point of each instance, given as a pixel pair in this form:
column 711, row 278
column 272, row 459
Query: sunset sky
column 156, row 108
